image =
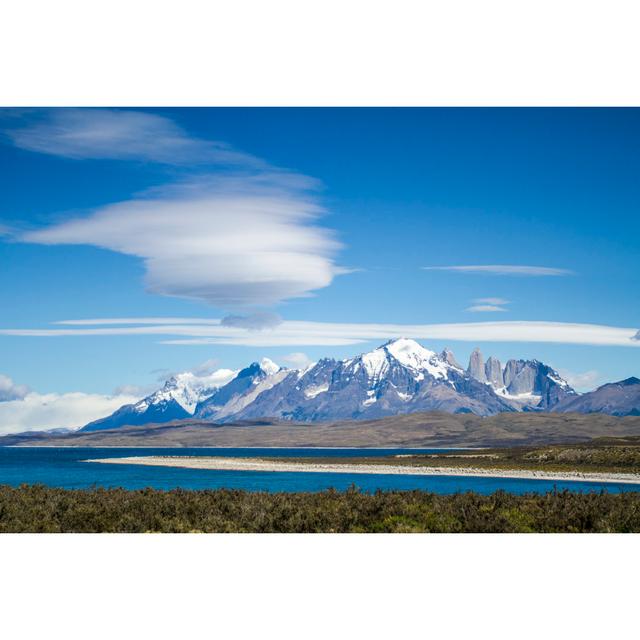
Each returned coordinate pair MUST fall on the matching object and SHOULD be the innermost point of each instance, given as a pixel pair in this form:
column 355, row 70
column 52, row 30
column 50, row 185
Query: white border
column 318, row 586
column 286, row 52
column 319, row 52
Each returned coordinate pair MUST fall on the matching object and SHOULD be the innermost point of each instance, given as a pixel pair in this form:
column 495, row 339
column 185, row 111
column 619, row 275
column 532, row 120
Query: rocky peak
column 448, row 357
column 493, row 372
column 476, row 366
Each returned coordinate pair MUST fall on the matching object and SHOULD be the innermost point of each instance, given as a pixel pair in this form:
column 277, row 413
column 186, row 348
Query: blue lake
column 65, row 467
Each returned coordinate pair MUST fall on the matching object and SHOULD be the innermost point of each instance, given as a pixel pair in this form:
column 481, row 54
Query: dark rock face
column 520, row 376
column 447, row 356
column 616, row 398
column 511, row 371
column 476, row 366
column 493, row 372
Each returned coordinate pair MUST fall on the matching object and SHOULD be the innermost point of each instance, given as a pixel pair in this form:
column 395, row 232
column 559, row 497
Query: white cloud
column 9, row 390
column 585, row 381
column 637, row 336
column 484, row 308
column 135, row 390
column 297, row 360
column 292, row 332
column 37, row 412
column 231, row 241
column 205, row 368
column 114, row 134
column 487, row 305
column 504, row 270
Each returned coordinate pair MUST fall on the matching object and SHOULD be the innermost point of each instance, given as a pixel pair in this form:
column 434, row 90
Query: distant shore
column 258, row 464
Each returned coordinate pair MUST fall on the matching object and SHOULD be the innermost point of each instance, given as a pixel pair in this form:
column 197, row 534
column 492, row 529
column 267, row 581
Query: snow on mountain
column 408, row 353
column 400, row 376
column 526, row 384
column 187, row 389
column 177, row 399
column 414, row 356
column 242, row 389
column 269, row 366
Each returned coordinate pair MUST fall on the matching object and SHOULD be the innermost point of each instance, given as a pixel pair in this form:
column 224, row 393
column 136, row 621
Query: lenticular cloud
column 234, row 241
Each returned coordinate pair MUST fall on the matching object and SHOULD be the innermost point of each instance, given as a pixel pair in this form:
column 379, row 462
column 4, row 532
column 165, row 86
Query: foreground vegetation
column 45, row 509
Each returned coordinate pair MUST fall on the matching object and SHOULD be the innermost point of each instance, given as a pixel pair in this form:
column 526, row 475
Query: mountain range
column 398, row 377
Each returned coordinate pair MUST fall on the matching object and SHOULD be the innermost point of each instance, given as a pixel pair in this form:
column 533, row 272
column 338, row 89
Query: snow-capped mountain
column 177, row 399
column 615, row 398
column 398, row 377
column 241, row 391
column 525, row 384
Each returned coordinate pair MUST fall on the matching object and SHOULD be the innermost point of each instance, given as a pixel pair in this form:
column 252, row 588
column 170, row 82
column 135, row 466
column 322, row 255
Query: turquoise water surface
column 66, row 468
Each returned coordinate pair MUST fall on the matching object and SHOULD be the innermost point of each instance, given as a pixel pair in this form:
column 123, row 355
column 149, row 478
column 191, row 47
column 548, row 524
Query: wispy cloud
column 291, row 332
column 487, row 305
column 637, row 336
column 504, row 270
column 112, row 134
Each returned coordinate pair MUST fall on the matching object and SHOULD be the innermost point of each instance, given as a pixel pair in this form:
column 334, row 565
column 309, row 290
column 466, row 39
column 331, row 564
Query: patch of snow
column 187, row 389
column 414, row 356
column 303, row 372
column 312, row 392
column 558, row 380
column 529, row 399
column 375, row 364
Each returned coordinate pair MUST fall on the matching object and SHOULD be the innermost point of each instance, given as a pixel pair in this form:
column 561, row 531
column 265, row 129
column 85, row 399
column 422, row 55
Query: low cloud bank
column 9, row 390
column 40, row 412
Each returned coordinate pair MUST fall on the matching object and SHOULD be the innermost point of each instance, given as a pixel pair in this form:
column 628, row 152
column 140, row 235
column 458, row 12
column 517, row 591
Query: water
column 65, row 467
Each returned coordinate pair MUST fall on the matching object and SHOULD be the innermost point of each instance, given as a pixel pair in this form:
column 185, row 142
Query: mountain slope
column 615, row 398
column 177, row 399
column 243, row 389
column 399, row 377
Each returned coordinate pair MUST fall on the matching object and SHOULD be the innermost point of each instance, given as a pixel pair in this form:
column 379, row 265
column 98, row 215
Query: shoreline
column 257, row 464
column 252, row 446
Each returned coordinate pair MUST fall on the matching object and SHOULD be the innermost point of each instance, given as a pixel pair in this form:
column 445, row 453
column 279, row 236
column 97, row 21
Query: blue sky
column 314, row 216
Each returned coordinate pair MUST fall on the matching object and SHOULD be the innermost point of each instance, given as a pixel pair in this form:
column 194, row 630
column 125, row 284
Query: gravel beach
column 258, row 464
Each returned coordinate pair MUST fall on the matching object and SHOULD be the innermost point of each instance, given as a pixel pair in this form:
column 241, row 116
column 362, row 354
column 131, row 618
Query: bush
column 40, row 509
